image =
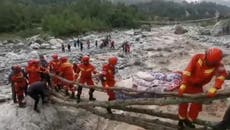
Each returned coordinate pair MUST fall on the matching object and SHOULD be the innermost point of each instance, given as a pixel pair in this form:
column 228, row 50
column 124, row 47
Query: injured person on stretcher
column 154, row 82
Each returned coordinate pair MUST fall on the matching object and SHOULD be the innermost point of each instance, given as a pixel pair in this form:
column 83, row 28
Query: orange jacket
column 54, row 66
column 197, row 73
column 108, row 73
column 19, row 82
column 66, row 71
column 34, row 73
column 86, row 72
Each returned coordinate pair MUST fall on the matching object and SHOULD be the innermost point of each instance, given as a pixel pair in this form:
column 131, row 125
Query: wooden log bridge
column 131, row 107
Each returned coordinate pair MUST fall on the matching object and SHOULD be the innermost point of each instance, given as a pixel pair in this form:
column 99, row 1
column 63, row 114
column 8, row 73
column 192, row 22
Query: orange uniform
column 108, row 80
column 20, row 83
column 66, row 71
column 196, row 75
column 34, row 73
column 85, row 71
column 54, row 68
column 75, row 68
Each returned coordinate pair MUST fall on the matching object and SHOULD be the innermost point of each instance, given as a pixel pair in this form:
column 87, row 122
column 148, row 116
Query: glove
column 181, row 90
column 106, row 86
column 212, row 92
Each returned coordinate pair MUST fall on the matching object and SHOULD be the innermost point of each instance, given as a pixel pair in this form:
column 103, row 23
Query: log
column 148, row 112
column 149, row 124
column 162, row 114
column 220, row 94
column 148, row 101
column 4, row 100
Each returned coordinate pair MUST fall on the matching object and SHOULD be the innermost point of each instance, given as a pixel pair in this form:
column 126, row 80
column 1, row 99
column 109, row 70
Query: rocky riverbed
column 159, row 50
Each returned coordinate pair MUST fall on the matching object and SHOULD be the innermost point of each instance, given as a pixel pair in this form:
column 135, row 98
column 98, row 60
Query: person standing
column 85, row 71
column 108, row 78
column 201, row 69
column 36, row 91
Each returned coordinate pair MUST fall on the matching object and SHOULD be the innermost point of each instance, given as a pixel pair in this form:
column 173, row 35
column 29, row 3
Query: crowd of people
column 107, row 42
column 34, row 80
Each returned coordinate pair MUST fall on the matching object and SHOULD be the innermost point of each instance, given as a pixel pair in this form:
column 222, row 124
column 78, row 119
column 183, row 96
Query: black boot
column 66, row 93
column 37, row 110
column 181, row 125
column 91, row 98
column 78, row 99
column 109, row 110
column 189, row 124
column 79, row 90
column 72, row 95
column 56, row 88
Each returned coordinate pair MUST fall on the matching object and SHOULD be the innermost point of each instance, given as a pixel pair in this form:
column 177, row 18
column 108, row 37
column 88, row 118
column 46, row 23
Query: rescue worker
column 38, row 90
column 85, row 71
column 108, row 79
column 69, row 47
column 201, row 69
column 63, row 47
column 33, row 71
column 225, row 123
column 12, row 85
column 44, row 67
column 19, row 82
column 112, row 45
column 78, row 42
column 88, row 44
column 75, row 69
column 66, row 71
column 96, row 43
column 54, row 68
column 81, row 46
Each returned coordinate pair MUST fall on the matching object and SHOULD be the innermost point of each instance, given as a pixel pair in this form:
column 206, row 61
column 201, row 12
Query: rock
column 45, row 46
column 180, row 30
column 56, row 42
column 221, row 28
column 35, row 45
column 130, row 32
column 146, row 28
column 204, row 32
column 21, row 44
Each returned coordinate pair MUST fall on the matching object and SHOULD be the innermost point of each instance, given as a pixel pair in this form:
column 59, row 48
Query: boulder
column 56, row 42
column 35, row 45
column 221, row 28
column 45, row 46
column 204, row 32
column 180, row 30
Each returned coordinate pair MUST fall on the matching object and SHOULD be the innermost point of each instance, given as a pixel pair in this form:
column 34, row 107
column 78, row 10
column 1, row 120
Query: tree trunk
column 149, row 124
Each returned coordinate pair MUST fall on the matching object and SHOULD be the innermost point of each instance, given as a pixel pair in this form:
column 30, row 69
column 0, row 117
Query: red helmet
column 35, row 62
column 30, row 62
column 17, row 68
column 64, row 59
column 55, row 56
column 113, row 60
column 214, row 56
column 85, row 59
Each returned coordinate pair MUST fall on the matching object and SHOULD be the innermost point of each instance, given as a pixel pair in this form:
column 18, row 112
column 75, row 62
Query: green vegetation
column 181, row 11
column 69, row 17
column 60, row 17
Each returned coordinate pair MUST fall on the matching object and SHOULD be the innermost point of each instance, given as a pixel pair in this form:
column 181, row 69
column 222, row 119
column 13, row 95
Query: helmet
column 113, row 60
column 64, row 59
column 214, row 56
column 85, row 59
column 55, row 56
column 35, row 62
column 17, row 68
column 30, row 62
